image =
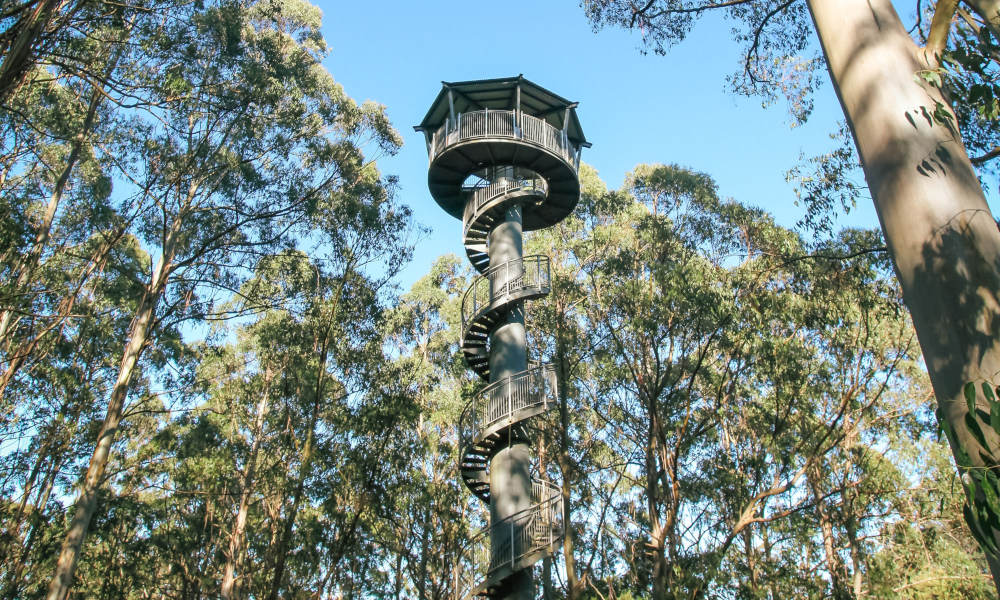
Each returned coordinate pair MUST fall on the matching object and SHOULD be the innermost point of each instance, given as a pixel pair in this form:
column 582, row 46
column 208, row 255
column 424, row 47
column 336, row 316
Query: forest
column 213, row 383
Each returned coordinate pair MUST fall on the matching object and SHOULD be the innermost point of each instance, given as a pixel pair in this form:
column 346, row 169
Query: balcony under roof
column 507, row 93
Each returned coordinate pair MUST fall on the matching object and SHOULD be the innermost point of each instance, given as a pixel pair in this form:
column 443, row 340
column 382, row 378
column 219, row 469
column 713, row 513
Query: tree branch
column 989, row 10
column 863, row 251
column 752, row 52
column 933, row 579
column 984, row 158
column 696, row 9
column 937, row 39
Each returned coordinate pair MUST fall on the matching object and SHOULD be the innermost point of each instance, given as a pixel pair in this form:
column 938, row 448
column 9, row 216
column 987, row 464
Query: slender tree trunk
column 18, row 57
column 573, row 584
column 397, row 582
column 14, row 528
column 36, row 521
column 322, row 347
column 305, row 464
column 17, row 356
column 938, row 228
column 748, row 549
column 833, row 565
column 237, row 536
column 424, row 543
column 659, row 525
column 18, row 549
column 851, row 526
column 86, row 503
column 28, row 265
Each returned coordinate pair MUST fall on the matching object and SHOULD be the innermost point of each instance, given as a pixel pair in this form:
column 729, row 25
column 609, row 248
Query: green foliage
column 982, row 486
column 195, row 159
column 733, row 392
column 968, row 73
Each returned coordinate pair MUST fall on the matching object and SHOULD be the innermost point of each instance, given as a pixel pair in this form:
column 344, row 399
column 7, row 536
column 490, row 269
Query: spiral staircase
column 504, row 156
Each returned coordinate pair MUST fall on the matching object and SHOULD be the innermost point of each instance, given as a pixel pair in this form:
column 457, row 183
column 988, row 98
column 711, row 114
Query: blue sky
column 633, row 108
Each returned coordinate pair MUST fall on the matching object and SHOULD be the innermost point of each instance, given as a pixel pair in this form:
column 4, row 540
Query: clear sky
column 633, row 108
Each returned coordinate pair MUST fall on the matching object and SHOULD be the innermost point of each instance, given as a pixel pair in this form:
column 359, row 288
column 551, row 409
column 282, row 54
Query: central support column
column 510, row 469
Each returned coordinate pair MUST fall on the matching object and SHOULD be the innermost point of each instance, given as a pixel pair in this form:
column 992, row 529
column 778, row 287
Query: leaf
column 973, row 522
column 970, row 396
column 995, row 417
column 973, row 424
column 988, row 393
column 992, row 504
column 931, row 76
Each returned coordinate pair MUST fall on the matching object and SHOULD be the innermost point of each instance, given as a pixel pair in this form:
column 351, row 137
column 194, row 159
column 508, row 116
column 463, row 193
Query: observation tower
column 504, row 156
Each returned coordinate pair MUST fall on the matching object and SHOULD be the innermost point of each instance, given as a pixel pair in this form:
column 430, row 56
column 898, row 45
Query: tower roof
column 501, row 94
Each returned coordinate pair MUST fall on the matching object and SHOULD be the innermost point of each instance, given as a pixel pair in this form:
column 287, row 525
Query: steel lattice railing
column 504, row 124
column 523, row 534
column 502, row 186
column 496, row 284
column 501, row 401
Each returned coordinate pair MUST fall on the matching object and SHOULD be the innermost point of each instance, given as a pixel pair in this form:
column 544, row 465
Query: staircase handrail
column 502, row 280
column 481, row 196
column 532, row 529
column 501, row 399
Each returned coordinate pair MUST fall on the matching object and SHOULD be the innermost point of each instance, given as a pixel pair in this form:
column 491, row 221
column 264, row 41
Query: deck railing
column 481, row 196
column 504, row 124
column 505, row 279
column 533, row 529
column 499, row 401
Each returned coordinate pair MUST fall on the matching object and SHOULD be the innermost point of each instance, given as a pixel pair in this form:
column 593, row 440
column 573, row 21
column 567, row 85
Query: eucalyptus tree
column 939, row 231
column 558, row 332
column 926, row 552
column 272, row 475
column 425, row 524
column 351, row 403
column 711, row 369
column 244, row 140
column 58, row 134
column 63, row 135
column 58, row 411
column 829, row 410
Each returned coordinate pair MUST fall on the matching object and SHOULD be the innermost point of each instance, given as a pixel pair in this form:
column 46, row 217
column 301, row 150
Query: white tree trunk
column 236, row 537
column 86, row 503
column 942, row 237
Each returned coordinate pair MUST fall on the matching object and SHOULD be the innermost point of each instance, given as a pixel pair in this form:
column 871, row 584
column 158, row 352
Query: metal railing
column 499, row 401
column 496, row 283
column 481, row 196
column 505, row 124
column 531, row 530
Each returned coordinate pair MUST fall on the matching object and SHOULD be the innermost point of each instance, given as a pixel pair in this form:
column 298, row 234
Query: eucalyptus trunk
column 238, row 534
column 281, row 550
column 940, row 233
column 18, row 56
column 832, row 559
column 573, row 584
column 305, row 465
column 27, row 265
column 86, row 503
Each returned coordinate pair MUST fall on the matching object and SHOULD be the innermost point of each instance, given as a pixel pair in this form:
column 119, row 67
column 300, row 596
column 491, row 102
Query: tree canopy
column 212, row 385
